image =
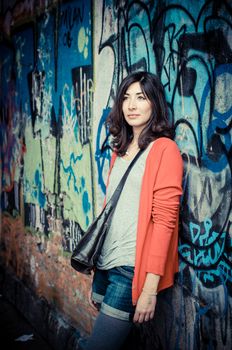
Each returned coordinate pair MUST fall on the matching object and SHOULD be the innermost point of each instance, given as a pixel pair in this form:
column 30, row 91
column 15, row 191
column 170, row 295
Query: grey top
column 119, row 246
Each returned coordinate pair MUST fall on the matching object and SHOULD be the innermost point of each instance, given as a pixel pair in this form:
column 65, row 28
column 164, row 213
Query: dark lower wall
column 52, row 326
column 61, row 63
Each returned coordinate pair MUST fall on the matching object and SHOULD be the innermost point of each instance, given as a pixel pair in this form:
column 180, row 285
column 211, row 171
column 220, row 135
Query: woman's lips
column 133, row 115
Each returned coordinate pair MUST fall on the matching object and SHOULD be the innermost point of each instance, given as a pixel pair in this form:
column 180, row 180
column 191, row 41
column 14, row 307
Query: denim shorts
column 112, row 291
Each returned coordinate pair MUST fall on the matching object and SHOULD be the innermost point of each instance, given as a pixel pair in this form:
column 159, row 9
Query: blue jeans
column 112, row 290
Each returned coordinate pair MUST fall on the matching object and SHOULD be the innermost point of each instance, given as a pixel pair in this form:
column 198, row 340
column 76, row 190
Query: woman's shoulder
column 163, row 143
column 166, row 152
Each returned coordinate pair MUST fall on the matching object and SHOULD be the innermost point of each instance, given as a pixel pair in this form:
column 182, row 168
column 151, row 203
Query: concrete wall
column 61, row 63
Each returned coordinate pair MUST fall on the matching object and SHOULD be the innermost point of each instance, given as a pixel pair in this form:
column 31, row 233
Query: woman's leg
column 109, row 333
column 112, row 289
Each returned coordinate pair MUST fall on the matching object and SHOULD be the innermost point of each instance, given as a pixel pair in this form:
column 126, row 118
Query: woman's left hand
column 145, row 308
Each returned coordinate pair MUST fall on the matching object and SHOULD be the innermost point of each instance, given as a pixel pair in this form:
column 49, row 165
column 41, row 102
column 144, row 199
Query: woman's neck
column 135, row 138
column 133, row 146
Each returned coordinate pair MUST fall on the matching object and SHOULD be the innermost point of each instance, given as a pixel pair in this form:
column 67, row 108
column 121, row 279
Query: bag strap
column 115, row 196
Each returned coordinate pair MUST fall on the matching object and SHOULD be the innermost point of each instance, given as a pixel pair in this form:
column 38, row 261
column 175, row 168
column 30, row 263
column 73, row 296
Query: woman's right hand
column 92, row 303
column 145, row 308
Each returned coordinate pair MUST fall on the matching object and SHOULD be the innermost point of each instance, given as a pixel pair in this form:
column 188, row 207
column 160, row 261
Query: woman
column 139, row 256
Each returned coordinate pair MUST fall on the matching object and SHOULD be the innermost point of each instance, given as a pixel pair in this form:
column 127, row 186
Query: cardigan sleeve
column 165, row 206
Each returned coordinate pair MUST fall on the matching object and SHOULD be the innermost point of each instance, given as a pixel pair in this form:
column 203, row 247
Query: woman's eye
column 125, row 98
column 141, row 98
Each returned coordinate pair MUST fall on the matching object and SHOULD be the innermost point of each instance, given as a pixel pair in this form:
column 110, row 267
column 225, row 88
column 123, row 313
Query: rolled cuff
column 156, row 265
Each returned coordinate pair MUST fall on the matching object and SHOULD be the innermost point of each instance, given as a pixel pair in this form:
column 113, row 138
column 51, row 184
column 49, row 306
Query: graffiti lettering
column 70, row 17
column 83, row 86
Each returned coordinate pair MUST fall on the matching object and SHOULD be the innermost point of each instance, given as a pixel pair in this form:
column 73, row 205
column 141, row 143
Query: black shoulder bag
column 88, row 248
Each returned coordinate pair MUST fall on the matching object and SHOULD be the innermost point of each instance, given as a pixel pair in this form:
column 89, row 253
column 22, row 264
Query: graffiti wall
column 46, row 141
column 61, row 64
column 47, row 104
column 188, row 44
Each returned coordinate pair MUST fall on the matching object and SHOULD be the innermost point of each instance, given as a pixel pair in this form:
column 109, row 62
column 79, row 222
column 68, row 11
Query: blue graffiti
column 205, row 239
column 207, row 247
column 86, row 205
column 103, row 152
column 206, row 253
column 203, row 257
column 220, row 121
column 38, row 193
column 70, row 170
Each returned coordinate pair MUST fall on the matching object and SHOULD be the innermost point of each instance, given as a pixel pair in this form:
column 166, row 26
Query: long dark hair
column 157, row 126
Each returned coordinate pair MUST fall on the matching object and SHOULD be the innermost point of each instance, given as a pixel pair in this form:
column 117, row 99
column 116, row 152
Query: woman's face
column 136, row 107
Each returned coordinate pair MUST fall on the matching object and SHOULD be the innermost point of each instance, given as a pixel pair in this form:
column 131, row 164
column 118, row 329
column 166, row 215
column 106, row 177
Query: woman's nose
column 132, row 104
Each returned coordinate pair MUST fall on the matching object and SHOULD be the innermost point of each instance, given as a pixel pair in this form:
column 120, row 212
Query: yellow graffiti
column 82, row 42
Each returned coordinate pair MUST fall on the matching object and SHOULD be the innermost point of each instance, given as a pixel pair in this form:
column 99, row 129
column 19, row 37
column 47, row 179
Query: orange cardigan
column 157, row 231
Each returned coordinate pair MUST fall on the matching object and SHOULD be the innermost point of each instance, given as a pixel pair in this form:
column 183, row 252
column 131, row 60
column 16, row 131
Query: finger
column 91, row 302
column 93, row 305
column 147, row 317
column 141, row 318
column 90, row 296
column 90, row 299
column 136, row 317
